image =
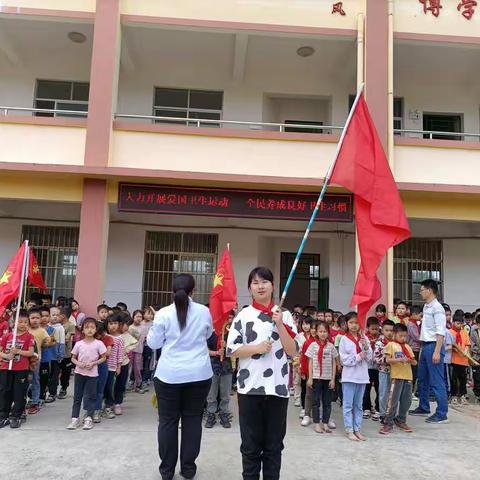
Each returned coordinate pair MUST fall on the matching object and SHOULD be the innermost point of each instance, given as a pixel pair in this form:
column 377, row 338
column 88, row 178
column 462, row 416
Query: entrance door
column 304, row 289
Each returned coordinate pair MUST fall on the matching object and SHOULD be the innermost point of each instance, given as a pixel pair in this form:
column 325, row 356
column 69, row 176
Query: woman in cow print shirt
column 261, row 342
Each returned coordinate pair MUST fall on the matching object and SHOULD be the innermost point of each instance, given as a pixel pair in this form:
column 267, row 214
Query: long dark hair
column 183, row 286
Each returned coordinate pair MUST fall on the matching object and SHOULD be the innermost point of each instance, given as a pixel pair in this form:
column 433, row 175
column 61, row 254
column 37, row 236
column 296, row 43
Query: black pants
column 109, row 389
column 263, row 424
column 367, row 399
column 476, row 381
column 85, row 388
column 13, row 389
column 54, row 378
column 44, row 377
column 120, row 385
column 175, row 401
column 303, row 392
column 321, row 395
column 459, row 380
column 147, row 358
column 65, row 372
column 415, row 371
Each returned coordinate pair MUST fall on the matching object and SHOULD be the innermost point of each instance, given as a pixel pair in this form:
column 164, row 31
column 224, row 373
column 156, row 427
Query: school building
column 139, row 137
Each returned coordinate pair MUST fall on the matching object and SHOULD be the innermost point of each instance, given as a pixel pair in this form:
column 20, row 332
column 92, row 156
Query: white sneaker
column 454, row 401
column 375, row 416
column 331, row 424
column 297, row 403
column 302, row 413
column 306, row 421
column 292, row 392
column 463, row 401
column 74, row 424
column 87, row 423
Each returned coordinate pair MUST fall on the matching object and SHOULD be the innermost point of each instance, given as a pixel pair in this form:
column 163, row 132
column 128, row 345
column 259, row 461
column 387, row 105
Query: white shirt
column 434, row 321
column 260, row 374
column 184, row 356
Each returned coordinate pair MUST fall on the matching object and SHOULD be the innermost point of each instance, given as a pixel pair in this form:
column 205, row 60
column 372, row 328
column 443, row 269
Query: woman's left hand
column 277, row 316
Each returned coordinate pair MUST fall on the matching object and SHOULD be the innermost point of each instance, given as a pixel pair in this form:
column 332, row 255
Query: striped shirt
column 329, row 353
column 118, row 351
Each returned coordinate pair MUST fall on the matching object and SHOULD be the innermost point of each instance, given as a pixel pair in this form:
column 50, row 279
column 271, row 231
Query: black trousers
column 459, row 380
column 263, row 424
column 66, row 366
column 44, row 378
column 13, row 389
column 147, row 358
column 321, row 395
column 54, row 378
column 367, row 399
column 175, row 401
column 120, row 385
column 476, row 381
column 303, row 391
column 109, row 389
column 85, row 388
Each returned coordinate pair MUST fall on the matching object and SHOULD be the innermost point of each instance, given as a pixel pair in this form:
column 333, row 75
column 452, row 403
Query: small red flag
column 223, row 298
column 12, row 278
column 34, row 274
column 362, row 167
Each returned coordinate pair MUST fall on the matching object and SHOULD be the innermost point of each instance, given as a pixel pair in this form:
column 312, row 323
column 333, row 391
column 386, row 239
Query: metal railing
column 55, row 112
column 198, row 122
column 461, row 136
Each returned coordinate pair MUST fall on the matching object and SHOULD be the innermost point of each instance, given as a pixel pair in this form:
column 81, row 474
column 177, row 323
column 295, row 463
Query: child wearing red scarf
column 381, row 313
column 400, row 357
column 322, row 365
column 401, row 313
column 369, row 411
column 305, row 413
column 459, row 361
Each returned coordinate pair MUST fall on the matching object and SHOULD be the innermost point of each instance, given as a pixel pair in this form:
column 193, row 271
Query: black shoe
column 4, row 422
column 15, row 422
column 23, row 417
column 225, row 421
column 211, row 421
column 50, row 399
column 188, row 476
column 418, row 412
column 62, row 394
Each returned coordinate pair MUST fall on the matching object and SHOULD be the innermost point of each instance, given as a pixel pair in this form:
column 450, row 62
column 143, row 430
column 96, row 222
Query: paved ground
column 125, row 448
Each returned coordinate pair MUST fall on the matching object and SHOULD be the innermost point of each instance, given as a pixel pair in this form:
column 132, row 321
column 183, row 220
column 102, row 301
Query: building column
column 376, row 90
column 92, row 245
column 104, row 71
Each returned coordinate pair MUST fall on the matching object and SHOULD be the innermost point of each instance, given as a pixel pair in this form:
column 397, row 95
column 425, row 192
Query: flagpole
column 27, row 266
column 320, row 198
column 20, row 293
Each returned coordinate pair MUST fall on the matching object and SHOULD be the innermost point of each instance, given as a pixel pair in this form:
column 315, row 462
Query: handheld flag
column 34, row 274
column 12, row 278
column 362, row 167
column 223, row 298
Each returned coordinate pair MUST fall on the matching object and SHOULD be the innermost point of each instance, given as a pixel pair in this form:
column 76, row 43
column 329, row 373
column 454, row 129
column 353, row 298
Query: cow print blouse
column 260, row 374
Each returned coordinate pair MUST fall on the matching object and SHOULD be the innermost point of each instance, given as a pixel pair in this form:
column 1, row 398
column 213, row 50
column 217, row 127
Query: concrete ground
column 125, row 448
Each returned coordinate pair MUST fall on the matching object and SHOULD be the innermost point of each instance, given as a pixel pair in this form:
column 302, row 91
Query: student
column 372, row 335
column 303, row 340
column 107, row 340
column 42, row 339
column 383, row 367
column 53, row 380
column 66, row 364
column 414, row 327
column 87, row 354
column 77, row 318
column 381, row 313
column 460, row 363
column 355, row 353
column 136, row 330
column 322, row 366
column 400, row 357
column 306, row 412
column 447, row 360
column 48, row 352
column 14, row 383
column 122, row 306
column 261, row 342
column 102, row 313
column 401, row 313
column 147, row 354
column 448, row 315
column 475, row 341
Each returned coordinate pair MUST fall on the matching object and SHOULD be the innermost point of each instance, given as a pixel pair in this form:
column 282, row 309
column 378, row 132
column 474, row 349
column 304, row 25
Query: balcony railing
column 432, row 135
column 49, row 111
column 204, row 122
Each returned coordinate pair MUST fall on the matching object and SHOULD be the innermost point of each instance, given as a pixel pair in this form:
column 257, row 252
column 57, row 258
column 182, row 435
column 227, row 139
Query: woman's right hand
column 264, row 347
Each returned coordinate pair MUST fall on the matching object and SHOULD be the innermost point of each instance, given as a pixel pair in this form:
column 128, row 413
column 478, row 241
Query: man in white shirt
column 431, row 372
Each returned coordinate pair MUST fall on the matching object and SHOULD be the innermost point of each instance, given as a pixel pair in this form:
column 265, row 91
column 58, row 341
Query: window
column 170, row 253
column 56, row 250
column 397, row 111
column 58, row 95
column 415, row 260
column 303, row 129
column 188, row 104
column 442, row 122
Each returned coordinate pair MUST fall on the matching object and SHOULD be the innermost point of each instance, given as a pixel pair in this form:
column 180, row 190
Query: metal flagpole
column 320, row 199
column 20, row 293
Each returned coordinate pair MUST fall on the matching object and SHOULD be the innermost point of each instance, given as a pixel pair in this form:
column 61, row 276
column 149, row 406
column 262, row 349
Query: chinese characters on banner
column 464, row 6
column 232, row 203
column 338, row 8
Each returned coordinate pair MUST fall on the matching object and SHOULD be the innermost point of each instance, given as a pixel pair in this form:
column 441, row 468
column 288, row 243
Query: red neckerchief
column 263, row 308
column 403, row 319
column 372, row 340
column 304, row 358
column 356, row 341
column 405, row 350
column 458, row 337
column 321, row 348
column 381, row 319
column 385, row 341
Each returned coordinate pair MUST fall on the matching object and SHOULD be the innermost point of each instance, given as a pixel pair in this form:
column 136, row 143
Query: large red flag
column 12, row 278
column 223, row 298
column 34, row 274
column 362, row 168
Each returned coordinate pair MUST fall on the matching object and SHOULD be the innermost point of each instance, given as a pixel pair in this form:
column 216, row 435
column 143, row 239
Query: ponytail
column 183, row 286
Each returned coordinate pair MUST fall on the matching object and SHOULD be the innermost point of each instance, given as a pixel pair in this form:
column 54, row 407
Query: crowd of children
column 372, row 373
column 108, row 354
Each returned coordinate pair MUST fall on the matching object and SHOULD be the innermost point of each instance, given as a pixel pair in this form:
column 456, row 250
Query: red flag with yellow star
column 12, row 278
column 34, row 274
column 223, row 298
